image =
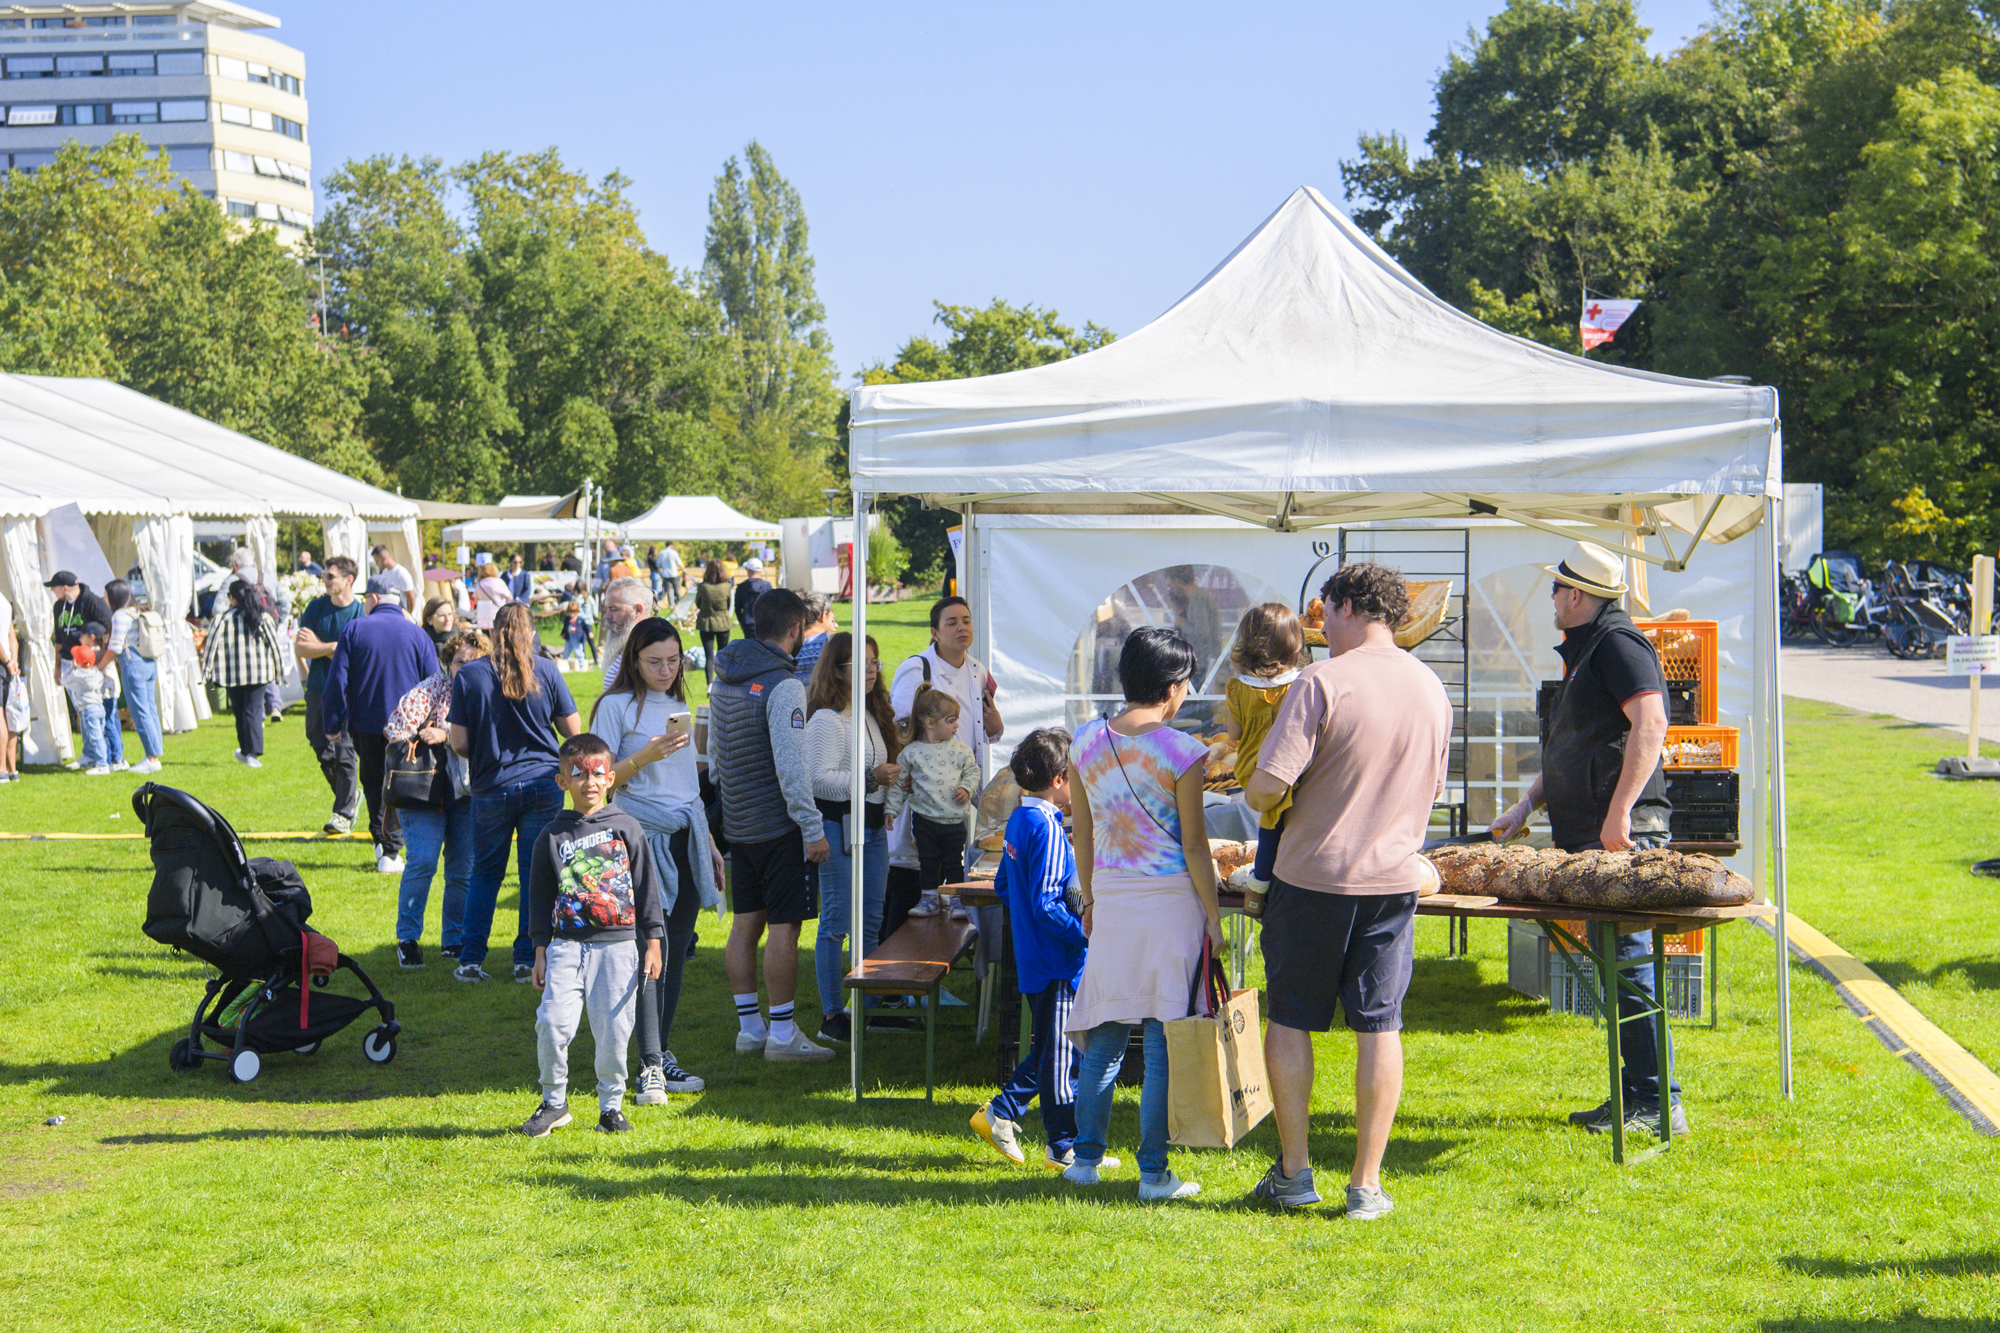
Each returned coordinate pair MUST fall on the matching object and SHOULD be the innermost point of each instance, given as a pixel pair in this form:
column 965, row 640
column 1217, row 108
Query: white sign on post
column 1972, row 655
column 464, row 556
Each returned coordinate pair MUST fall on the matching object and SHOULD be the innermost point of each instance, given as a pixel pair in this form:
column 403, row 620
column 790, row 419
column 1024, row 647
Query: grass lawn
column 334, row 1193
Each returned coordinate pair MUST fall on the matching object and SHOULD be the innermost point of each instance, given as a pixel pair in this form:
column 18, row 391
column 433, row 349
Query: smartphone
column 681, row 724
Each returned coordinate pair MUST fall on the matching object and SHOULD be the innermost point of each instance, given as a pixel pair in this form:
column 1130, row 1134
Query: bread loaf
column 1231, row 856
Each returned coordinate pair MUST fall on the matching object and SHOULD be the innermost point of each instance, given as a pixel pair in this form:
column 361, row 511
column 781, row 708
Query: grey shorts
column 1353, row 949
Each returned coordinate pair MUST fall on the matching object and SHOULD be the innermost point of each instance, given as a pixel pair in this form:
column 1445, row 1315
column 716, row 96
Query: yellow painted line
column 135, row 837
column 1880, row 1002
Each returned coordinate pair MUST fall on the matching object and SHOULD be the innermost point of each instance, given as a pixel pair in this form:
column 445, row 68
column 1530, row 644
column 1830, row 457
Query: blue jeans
column 101, row 742
column 829, row 947
column 1636, row 1041
column 518, row 815
column 1101, row 1059
column 142, row 698
column 426, row 833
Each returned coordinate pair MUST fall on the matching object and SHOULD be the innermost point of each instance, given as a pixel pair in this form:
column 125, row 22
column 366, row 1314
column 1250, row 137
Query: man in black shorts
column 1361, row 742
column 757, row 752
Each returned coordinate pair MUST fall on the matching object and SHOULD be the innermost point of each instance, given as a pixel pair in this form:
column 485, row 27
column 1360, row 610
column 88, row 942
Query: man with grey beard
column 626, row 603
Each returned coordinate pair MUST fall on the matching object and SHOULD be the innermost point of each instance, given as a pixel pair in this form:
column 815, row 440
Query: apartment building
column 202, row 80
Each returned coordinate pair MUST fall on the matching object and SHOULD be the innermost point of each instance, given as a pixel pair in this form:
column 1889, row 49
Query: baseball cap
column 96, row 628
column 381, row 585
column 753, row 564
column 62, row 578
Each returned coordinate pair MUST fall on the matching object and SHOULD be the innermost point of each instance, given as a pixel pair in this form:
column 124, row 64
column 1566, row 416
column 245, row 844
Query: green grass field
column 332, row 1193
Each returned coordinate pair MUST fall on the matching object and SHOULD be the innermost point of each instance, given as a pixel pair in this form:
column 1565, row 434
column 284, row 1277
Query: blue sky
column 1094, row 158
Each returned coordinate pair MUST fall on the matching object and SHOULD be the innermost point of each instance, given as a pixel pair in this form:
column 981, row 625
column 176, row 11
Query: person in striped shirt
column 1037, row 872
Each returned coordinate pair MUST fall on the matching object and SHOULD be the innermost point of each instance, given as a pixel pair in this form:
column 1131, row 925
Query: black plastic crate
column 1703, row 823
column 1684, row 703
column 1705, row 787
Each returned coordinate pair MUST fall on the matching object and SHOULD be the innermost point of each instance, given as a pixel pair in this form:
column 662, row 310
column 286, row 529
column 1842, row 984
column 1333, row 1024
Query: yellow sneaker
column 998, row 1132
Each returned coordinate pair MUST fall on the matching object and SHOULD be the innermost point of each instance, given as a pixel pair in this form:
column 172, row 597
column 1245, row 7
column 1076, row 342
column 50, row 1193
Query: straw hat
column 1592, row 569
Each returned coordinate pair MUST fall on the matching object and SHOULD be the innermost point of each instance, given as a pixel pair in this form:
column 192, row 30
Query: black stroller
column 247, row 917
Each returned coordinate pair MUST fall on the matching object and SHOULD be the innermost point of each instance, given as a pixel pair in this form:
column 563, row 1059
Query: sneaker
column 1640, row 1120
column 799, row 1048
column 958, row 912
column 389, row 865
column 926, row 906
column 747, row 1044
column 1000, row 1132
column 524, row 973
column 449, row 950
column 545, row 1118
column 469, row 972
column 1280, row 1191
column 1599, row 1114
column 338, row 823
column 1082, row 1173
column 652, row 1086
column 248, row 760
column 1170, row 1186
column 613, row 1122
column 121, row 767
column 273, row 719
column 97, row 771
column 1365, row 1204
column 837, row 1027
column 146, row 766
column 408, row 954
column 678, row 1079
column 1068, row 1159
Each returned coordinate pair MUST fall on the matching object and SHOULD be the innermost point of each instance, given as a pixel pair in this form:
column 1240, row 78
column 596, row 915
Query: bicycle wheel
column 1833, row 633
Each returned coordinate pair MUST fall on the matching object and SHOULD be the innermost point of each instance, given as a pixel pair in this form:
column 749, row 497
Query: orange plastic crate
column 1689, row 650
column 1692, row 943
column 1701, row 747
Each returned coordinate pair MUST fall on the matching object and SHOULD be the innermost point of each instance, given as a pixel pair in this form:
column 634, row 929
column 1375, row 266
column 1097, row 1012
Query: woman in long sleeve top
column 829, row 727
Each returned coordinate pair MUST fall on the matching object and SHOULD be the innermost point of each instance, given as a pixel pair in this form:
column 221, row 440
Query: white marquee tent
column 482, row 533
column 142, row 472
column 1308, row 382
column 697, row 518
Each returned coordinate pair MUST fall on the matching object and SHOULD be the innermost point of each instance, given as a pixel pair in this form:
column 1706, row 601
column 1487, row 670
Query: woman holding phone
column 644, row 717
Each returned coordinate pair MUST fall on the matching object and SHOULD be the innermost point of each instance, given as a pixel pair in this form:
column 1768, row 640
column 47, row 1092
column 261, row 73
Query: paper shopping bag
column 1216, row 1090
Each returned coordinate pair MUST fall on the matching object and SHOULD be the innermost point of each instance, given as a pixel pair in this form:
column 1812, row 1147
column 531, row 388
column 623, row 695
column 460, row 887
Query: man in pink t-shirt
column 1361, row 742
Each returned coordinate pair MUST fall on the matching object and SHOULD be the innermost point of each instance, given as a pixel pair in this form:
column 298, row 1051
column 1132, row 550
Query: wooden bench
column 913, row 961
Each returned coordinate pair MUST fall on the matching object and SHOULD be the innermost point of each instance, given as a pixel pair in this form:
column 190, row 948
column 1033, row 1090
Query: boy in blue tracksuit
column 1035, row 869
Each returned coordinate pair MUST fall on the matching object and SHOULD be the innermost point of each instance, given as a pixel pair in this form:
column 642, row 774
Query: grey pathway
column 1865, row 677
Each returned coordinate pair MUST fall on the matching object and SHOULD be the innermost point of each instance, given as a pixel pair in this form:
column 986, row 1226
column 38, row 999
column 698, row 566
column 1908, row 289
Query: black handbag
column 411, row 776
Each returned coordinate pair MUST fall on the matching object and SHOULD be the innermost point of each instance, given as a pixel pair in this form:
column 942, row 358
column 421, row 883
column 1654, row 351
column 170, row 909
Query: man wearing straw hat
column 1603, row 782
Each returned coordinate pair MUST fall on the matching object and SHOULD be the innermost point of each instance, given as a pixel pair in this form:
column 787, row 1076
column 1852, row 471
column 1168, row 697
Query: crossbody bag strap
column 1134, row 790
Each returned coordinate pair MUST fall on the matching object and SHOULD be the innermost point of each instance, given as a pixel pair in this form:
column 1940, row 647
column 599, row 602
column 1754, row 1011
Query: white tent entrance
column 1309, row 383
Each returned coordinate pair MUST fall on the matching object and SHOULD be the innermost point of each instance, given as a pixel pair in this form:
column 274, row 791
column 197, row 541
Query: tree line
column 1806, row 193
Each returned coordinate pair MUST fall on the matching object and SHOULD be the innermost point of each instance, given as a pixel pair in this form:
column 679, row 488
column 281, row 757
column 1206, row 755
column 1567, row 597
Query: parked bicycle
column 1922, row 613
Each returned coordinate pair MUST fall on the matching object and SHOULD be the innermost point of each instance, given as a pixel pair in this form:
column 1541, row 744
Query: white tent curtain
column 261, row 534
column 407, row 548
column 48, row 739
column 348, row 536
column 163, row 544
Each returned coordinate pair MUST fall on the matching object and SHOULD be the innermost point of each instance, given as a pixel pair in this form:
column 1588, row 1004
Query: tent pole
column 857, row 790
column 1773, row 520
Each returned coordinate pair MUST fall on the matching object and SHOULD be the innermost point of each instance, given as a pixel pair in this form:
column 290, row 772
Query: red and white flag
column 1602, row 319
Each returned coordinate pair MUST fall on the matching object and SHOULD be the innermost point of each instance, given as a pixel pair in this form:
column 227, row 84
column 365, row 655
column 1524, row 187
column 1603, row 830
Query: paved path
column 1867, row 678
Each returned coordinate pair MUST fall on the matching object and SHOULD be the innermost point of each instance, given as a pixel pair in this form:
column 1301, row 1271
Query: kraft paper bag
column 1216, row 1089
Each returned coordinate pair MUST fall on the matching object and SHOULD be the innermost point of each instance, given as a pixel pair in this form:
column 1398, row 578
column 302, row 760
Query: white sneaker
column 927, row 905
column 1081, row 1173
column 337, row 823
column 799, row 1049
column 389, row 865
column 958, row 912
column 121, row 767
column 97, row 771
column 248, row 760
column 1173, row 1187
column 749, row 1045
column 146, row 766
column 652, row 1086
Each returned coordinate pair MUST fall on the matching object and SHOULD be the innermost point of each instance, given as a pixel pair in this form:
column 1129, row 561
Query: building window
column 30, row 161
column 294, row 217
column 233, row 114
column 240, row 208
column 73, row 67
column 235, row 161
column 191, row 109
column 84, row 113
column 228, row 67
column 128, row 66
column 179, row 62
column 80, row 21
column 31, row 67
column 154, row 20
column 31, row 115
column 135, row 113
column 259, row 119
column 188, row 157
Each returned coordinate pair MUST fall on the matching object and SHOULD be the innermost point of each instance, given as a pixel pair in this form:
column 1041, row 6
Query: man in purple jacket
column 380, row 657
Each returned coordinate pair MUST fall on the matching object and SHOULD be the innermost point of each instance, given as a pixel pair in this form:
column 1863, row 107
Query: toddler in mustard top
column 1270, row 648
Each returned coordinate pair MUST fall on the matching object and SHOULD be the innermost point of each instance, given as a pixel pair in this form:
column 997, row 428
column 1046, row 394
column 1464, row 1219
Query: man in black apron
column 1603, row 782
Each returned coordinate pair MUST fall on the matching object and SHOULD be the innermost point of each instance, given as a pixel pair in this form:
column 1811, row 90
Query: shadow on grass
column 434, row 1132
column 1446, row 995
column 1937, row 1265
column 1979, row 973
column 1908, row 1319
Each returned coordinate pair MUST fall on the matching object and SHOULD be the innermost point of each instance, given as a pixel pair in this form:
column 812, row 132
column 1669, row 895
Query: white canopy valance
column 697, row 518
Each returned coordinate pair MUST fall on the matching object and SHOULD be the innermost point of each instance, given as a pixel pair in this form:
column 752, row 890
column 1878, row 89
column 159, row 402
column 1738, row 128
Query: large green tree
column 110, row 267
column 983, row 340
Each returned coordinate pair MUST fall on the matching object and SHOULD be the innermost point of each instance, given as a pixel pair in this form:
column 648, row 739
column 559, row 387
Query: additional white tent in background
column 141, row 472
column 1307, row 382
column 697, row 518
column 483, row 533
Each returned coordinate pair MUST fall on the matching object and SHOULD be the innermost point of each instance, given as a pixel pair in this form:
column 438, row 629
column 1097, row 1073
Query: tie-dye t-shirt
column 1136, row 827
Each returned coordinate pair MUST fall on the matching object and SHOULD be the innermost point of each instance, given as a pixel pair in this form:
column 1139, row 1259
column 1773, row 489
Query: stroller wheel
column 307, row 1049
column 379, row 1046
column 182, row 1056
column 244, row 1065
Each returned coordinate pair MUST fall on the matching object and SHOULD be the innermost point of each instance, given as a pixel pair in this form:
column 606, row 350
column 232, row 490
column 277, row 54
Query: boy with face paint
column 594, row 902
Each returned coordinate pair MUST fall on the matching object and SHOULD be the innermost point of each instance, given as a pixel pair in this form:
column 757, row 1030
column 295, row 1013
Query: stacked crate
column 1536, row 969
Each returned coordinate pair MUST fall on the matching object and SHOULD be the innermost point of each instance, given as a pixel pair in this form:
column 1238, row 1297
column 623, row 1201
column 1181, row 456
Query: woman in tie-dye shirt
column 1149, row 897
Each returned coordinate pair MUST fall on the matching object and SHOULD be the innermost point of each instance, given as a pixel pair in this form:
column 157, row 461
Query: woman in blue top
column 507, row 712
column 654, row 781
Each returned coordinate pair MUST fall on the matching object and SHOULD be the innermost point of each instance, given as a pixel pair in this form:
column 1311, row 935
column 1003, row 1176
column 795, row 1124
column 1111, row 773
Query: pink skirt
column 1145, row 944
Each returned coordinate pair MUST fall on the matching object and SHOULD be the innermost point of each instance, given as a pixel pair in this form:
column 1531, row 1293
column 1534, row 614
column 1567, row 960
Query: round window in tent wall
column 1203, row 602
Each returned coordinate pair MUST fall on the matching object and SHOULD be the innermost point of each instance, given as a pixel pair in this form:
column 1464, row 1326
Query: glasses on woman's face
column 661, row 663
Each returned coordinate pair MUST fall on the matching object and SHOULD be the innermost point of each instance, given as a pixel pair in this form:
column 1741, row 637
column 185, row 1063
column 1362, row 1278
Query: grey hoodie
column 757, row 745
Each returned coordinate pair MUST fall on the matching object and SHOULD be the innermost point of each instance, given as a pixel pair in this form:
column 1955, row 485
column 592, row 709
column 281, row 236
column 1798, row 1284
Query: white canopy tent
column 697, row 518
column 142, row 471
column 534, row 521
column 1309, row 382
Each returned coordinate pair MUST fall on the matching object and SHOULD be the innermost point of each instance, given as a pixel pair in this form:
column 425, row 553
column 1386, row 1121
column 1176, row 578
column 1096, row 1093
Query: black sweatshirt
column 594, row 879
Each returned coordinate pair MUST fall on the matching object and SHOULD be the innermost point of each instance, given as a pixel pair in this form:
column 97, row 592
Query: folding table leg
column 857, row 1004
column 1660, row 1036
column 1604, row 939
column 930, row 1040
